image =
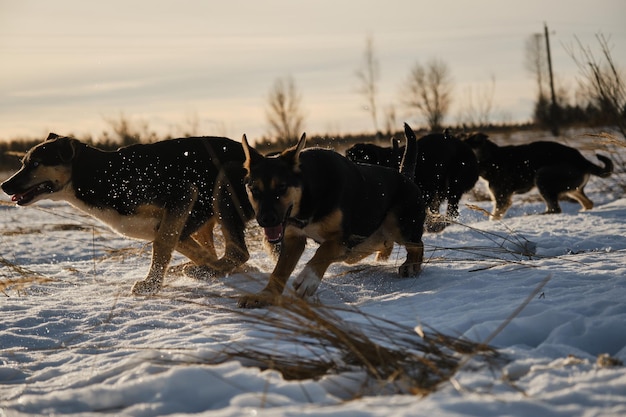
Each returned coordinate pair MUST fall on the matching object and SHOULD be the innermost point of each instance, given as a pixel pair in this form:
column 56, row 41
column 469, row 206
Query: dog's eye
column 281, row 189
column 254, row 190
column 34, row 164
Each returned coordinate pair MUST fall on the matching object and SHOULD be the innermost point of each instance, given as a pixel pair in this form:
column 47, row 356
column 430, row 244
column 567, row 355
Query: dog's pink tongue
column 17, row 197
column 274, row 234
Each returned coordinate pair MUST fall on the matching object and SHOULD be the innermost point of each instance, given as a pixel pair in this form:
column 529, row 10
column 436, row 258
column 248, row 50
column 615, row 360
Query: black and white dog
column 172, row 193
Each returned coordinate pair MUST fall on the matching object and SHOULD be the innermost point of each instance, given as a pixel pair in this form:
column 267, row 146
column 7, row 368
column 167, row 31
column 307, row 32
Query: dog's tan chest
column 327, row 229
column 141, row 225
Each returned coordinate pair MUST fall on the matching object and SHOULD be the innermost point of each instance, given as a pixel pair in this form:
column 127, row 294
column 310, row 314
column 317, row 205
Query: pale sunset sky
column 68, row 66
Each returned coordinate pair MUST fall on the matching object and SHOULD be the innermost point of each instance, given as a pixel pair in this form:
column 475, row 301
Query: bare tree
column 601, row 82
column 284, row 115
column 368, row 76
column 193, row 125
column 391, row 121
column 429, row 90
column 478, row 106
column 538, row 63
column 535, row 62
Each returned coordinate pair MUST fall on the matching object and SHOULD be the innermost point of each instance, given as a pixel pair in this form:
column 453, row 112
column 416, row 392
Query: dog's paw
column 409, row 269
column 260, row 300
column 436, row 227
column 306, row 282
column 200, row 272
column 435, row 222
column 146, row 287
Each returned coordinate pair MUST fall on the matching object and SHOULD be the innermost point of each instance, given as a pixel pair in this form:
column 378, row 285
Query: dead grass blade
column 26, row 278
column 519, row 309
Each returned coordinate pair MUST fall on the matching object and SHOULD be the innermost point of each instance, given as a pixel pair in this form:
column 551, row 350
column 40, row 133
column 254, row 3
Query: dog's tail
column 409, row 159
column 602, row 172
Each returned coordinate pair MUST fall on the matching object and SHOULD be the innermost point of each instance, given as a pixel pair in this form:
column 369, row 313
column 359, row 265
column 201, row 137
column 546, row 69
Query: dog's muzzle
column 23, row 198
column 274, row 234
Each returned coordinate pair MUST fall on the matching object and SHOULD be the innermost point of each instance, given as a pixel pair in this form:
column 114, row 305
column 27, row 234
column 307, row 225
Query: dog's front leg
column 291, row 251
column 310, row 277
column 414, row 259
column 168, row 235
column 502, row 201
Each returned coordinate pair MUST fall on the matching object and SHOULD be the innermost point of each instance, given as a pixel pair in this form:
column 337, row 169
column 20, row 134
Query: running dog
column 446, row 169
column 172, row 193
column 351, row 210
column 556, row 170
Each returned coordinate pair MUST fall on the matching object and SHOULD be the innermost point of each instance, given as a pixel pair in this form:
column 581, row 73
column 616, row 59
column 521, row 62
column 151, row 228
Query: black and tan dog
column 446, row 169
column 351, row 210
column 168, row 192
column 556, row 170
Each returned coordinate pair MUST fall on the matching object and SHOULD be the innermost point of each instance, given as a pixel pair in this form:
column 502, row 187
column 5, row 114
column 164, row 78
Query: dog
column 446, row 169
column 556, row 170
column 370, row 153
column 173, row 193
column 351, row 210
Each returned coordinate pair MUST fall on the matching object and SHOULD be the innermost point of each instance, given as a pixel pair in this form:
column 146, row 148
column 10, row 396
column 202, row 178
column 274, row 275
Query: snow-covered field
column 74, row 341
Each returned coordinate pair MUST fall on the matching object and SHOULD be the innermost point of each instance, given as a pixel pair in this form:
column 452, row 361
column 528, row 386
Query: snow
column 547, row 291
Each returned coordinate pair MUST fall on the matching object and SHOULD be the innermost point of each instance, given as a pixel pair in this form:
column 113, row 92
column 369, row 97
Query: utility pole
column 553, row 107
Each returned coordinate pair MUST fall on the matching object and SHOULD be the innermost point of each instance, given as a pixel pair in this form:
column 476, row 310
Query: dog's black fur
column 555, row 169
column 446, row 169
column 172, row 192
column 351, row 210
column 369, row 153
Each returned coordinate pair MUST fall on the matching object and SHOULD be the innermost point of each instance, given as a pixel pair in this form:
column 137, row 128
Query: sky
column 207, row 67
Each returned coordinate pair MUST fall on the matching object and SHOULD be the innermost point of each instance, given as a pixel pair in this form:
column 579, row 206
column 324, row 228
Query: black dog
column 172, row 192
column 556, row 170
column 351, row 210
column 446, row 169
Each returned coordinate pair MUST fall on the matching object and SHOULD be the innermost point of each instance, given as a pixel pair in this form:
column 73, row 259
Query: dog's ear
column 301, row 144
column 66, row 149
column 293, row 154
column 52, row 136
column 252, row 155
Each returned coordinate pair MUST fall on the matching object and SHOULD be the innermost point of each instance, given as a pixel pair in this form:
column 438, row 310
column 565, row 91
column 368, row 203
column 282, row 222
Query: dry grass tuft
column 25, row 279
column 333, row 340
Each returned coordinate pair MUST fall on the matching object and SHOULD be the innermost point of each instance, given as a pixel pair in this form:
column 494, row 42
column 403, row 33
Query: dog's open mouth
column 22, row 199
column 274, row 234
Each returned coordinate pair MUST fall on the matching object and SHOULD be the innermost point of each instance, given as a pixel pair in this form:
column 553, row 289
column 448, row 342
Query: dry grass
column 331, row 340
column 380, row 356
column 25, row 277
